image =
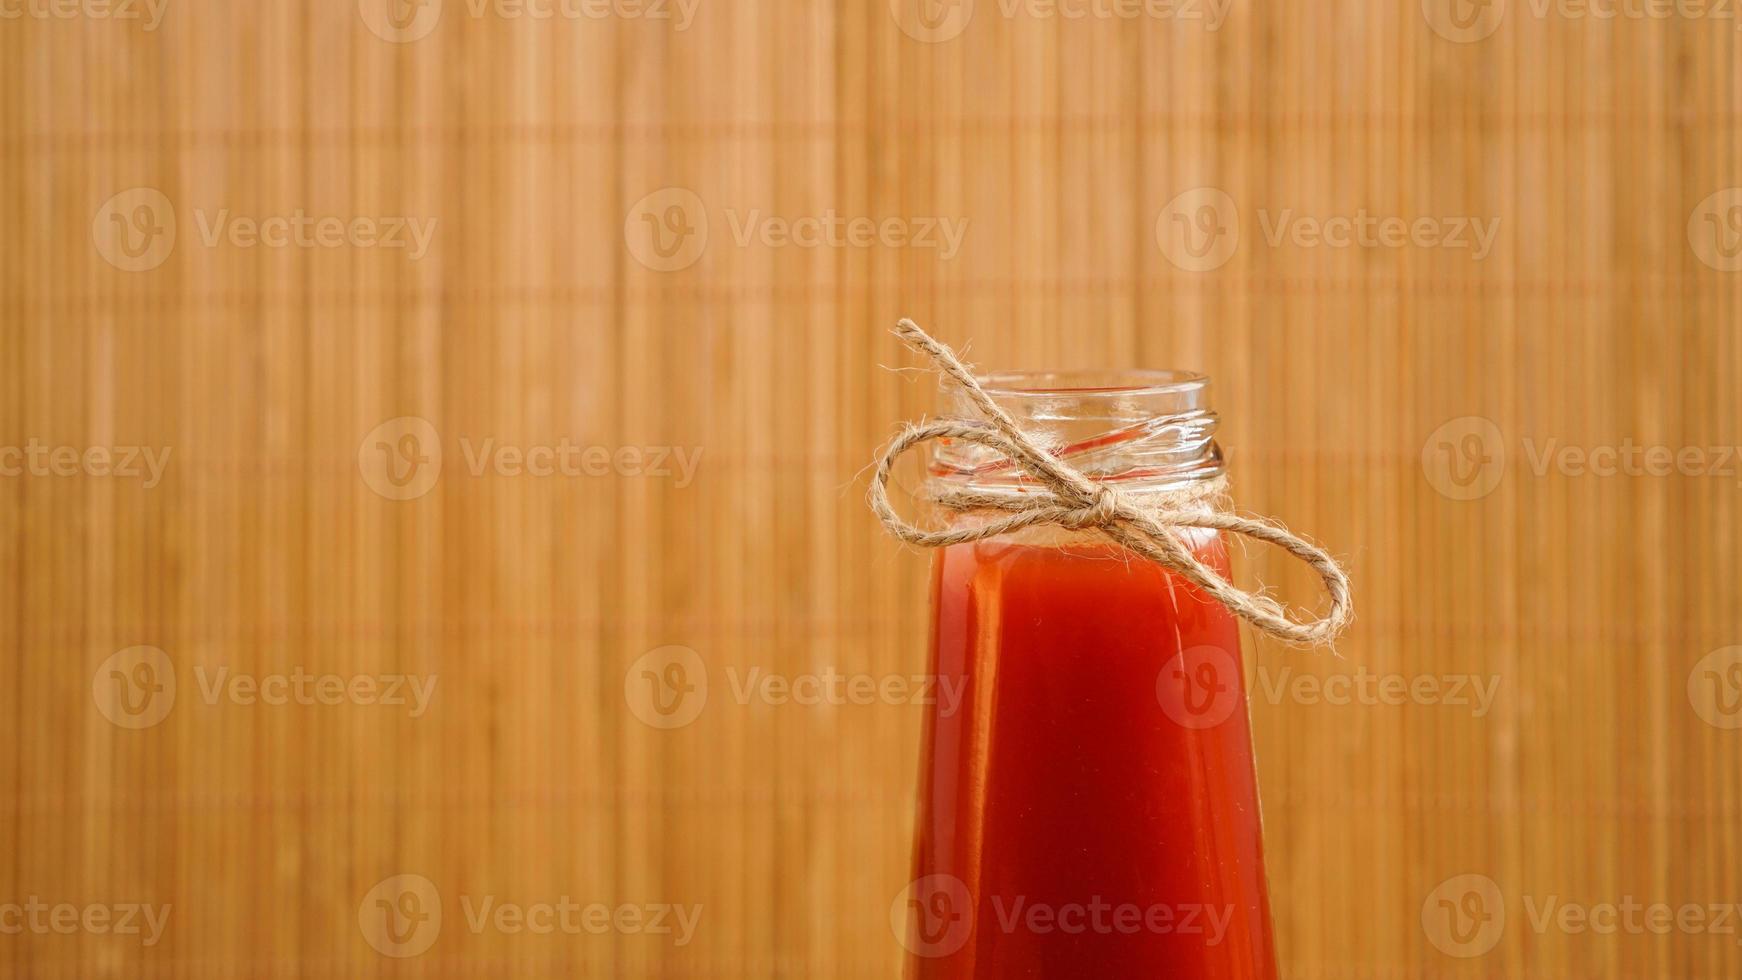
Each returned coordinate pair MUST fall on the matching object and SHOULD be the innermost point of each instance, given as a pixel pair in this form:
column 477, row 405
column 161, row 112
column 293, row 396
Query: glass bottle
column 1088, row 805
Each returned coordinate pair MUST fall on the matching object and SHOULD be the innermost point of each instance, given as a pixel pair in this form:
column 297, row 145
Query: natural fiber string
column 1072, row 500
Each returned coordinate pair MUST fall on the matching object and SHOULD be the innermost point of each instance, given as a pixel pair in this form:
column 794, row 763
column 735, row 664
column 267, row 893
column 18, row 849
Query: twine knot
column 1071, row 499
column 1102, row 509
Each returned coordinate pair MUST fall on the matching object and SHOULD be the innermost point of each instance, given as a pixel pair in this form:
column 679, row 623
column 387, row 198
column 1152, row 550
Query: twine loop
column 1069, row 498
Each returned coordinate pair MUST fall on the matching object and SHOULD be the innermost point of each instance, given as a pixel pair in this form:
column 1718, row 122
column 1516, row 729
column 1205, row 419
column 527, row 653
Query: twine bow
column 1072, row 500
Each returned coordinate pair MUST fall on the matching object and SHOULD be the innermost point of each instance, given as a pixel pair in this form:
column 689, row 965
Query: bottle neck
column 1142, row 431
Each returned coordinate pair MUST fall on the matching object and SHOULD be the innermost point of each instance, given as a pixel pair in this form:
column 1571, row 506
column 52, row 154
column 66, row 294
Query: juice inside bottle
column 1089, row 807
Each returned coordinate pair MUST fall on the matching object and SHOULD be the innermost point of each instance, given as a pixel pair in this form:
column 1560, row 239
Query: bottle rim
column 1091, row 383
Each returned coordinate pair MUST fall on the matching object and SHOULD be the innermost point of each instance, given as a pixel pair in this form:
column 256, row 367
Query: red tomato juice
column 1088, row 807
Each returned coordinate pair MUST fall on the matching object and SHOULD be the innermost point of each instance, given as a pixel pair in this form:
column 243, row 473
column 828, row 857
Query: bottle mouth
column 1093, row 384
column 1142, row 430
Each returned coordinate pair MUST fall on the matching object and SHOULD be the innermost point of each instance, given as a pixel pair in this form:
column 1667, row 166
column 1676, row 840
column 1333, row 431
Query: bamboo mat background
column 543, row 311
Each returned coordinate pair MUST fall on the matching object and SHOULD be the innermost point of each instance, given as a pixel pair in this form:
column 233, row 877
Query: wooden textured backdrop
column 306, row 387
